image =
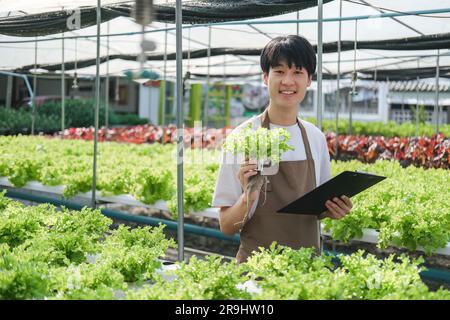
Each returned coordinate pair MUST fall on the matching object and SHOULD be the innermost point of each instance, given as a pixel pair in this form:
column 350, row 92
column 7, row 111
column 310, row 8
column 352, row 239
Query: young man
column 288, row 64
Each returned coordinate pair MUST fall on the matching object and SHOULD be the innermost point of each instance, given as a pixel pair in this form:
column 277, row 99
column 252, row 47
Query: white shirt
column 228, row 188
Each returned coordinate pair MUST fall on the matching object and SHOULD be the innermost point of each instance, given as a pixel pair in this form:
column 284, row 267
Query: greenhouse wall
column 149, row 102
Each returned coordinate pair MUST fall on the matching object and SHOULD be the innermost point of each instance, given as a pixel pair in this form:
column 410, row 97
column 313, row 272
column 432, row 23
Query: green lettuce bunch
column 259, row 144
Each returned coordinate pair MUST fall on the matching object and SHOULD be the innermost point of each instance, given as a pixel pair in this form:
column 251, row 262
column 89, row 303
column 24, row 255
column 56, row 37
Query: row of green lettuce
column 50, row 254
column 147, row 172
column 410, row 208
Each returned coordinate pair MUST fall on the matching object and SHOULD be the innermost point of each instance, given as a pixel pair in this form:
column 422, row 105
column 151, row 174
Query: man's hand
column 338, row 208
column 247, row 170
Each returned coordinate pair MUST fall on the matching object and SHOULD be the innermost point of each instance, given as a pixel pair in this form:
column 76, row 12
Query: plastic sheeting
column 408, row 74
column 125, row 40
column 437, row 41
column 194, row 12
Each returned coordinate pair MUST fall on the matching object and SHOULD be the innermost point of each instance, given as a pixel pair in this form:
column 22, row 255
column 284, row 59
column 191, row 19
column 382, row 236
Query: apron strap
column 265, row 122
column 305, row 140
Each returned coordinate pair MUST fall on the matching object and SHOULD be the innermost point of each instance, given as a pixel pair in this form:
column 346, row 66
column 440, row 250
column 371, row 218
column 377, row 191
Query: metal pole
column 180, row 187
column 224, row 88
column 9, row 86
column 165, row 82
column 97, row 105
column 189, row 50
column 260, row 98
column 185, row 82
column 298, row 24
column 207, row 81
column 33, row 98
column 338, row 95
column 142, row 57
column 75, row 76
column 319, row 64
column 417, row 101
column 436, row 103
column 116, row 93
column 63, row 90
column 350, row 118
column 107, row 85
column 163, row 118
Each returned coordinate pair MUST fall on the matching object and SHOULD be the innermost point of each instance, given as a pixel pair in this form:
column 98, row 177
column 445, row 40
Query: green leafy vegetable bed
column 49, row 254
column 72, row 255
column 410, row 209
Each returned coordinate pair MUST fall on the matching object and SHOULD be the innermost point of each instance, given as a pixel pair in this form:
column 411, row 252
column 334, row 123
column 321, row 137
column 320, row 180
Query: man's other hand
column 337, row 208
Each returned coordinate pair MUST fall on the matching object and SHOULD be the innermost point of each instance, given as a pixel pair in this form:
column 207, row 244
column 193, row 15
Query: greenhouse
column 138, row 160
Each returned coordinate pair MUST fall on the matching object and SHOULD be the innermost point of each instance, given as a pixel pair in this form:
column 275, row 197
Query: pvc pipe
column 180, row 118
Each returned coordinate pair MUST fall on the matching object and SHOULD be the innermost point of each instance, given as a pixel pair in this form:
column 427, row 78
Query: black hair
column 291, row 49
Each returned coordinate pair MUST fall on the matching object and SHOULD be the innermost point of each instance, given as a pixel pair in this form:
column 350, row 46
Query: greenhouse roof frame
column 222, row 33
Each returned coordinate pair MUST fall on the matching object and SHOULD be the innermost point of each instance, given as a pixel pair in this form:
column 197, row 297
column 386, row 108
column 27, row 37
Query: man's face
column 287, row 86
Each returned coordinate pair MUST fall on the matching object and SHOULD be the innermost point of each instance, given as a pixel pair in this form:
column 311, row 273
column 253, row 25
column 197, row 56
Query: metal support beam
column 436, row 103
column 107, row 86
column 164, row 84
column 260, row 31
column 338, row 78
column 319, row 63
column 395, row 19
column 63, row 89
column 97, row 105
column 354, row 79
column 417, row 102
column 180, row 118
column 33, row 97
column 205, row 114
column 9, row 88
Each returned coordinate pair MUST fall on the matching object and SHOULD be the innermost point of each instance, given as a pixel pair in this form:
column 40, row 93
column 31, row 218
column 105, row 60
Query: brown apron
column 293, row 179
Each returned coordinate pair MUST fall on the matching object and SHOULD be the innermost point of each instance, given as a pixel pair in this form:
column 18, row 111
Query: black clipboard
column 348, row 183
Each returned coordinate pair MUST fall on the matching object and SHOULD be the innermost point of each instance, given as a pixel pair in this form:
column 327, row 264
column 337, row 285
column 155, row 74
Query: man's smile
column 287, row 92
